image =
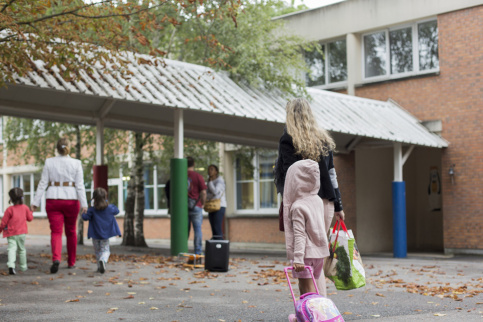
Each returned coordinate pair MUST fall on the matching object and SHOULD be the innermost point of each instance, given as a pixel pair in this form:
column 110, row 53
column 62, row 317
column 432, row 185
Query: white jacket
column 61, row 169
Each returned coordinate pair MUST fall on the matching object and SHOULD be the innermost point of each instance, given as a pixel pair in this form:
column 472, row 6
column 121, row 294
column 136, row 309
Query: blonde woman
column 304, row 139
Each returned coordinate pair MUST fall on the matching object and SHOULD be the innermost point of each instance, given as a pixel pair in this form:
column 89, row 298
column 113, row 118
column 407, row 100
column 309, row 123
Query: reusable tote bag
column 344, row 265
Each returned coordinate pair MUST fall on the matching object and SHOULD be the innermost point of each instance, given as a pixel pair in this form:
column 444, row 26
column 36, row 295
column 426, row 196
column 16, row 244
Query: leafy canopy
column 69, row 33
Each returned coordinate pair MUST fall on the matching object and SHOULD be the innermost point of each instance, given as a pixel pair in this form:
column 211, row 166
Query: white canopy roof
column 215, row 107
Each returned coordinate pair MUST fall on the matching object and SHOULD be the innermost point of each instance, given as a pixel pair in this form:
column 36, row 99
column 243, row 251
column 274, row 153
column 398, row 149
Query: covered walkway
column 183, row 99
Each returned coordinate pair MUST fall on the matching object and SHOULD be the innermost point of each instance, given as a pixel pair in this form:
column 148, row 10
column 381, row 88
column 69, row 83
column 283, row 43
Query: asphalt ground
column 146, row 284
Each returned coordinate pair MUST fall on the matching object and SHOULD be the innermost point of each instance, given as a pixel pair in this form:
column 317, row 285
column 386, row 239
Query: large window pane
column 266, row 165
column 114, row 195
column 316, row 63
column 244, row 198
column 428, row 45
column 268, row 195
column 401, row 46
column 162, row 201
column 149, row 198
column 243, row 171
column 375, row 54
column 163, row 177
column 337, row 61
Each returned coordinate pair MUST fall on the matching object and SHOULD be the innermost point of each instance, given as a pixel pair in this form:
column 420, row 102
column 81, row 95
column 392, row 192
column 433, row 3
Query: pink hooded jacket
column 303, row 213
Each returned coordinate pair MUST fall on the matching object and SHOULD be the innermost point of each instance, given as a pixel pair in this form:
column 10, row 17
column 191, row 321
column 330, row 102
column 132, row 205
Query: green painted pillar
column 179, row 206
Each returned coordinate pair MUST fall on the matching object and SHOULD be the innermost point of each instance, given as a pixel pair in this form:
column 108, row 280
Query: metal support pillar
column 179, row 190
column 99, row 170
column 399, row 205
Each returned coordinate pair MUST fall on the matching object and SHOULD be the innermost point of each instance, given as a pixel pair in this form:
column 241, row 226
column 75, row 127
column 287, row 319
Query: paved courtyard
column 146, row 284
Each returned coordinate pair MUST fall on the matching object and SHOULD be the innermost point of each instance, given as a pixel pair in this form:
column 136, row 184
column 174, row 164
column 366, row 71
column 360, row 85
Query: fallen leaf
column 244, row 302
column 128, row 297
column 142, row 303
column 439, row 314
column 89, row 291
column 153, row 308
column 379, row 294
column 376, row 315
column 76, row 300
column 347, row 313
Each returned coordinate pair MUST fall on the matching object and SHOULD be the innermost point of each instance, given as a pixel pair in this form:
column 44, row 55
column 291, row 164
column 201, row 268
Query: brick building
column 428, row 57
column 424, row 56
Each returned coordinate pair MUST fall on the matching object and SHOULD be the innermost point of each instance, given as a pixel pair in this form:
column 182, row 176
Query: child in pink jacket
column 304, row 222
column 14, row 227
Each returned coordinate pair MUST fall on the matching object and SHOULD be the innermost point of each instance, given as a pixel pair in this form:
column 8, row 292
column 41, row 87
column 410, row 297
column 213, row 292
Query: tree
column 74, row 35
column 253, row 49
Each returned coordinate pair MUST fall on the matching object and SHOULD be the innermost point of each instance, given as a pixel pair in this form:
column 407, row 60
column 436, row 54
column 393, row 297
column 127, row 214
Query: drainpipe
column 179, row 190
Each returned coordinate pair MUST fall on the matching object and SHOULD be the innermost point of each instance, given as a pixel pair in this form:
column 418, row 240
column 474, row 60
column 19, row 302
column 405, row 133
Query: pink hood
column 302, row 180
column 303, row 212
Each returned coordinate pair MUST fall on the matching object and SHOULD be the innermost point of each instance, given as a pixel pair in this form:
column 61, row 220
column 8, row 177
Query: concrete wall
column 374, row 174
column 357, row 16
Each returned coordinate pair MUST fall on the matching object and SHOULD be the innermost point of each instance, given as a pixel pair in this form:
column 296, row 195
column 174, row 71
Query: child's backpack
column 313, row 307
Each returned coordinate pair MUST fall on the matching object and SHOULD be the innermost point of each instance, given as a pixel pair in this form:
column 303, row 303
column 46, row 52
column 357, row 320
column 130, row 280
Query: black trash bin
column 217, row 255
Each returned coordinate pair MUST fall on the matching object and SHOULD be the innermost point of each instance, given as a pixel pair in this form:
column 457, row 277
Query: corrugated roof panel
column 183, row 85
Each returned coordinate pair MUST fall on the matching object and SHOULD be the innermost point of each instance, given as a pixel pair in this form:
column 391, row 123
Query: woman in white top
column 216, row 190
column 63, row 178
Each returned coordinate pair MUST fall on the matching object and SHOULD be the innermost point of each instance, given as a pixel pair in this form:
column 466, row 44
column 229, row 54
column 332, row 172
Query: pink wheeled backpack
column 313, row 307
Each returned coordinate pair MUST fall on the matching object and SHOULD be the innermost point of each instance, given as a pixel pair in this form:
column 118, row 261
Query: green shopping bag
column 344, row 265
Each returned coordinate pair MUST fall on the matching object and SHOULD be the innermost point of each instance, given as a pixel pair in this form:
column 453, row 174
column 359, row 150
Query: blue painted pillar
column 399, row 219
column 399, row 233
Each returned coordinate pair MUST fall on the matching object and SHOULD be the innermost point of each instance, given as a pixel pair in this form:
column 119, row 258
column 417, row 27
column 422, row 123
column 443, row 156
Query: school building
column 427, row 56
column 396, row 77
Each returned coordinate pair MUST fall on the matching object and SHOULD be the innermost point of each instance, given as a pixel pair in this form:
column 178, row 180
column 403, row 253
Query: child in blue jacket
column 102, row 226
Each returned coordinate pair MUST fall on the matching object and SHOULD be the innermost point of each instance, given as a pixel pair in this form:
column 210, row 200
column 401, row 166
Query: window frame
column 415, row 53
column 256, row 191
column 41, row 212
column 147, row 212
column 325, row 48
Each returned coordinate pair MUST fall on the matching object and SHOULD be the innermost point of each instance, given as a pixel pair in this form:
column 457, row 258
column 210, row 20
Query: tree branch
column 7, row 5
column 118, row 14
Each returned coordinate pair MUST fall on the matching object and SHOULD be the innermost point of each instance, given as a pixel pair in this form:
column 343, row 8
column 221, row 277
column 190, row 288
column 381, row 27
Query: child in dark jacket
column 102, row 226
column 14, row 227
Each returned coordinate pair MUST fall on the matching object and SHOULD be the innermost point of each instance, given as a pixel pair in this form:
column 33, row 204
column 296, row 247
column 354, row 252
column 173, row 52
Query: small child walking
column 102, row 226
column 304, row 221
column 14, row 227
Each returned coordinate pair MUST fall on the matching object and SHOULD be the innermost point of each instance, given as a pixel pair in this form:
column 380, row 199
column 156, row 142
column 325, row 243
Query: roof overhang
column 214, row 107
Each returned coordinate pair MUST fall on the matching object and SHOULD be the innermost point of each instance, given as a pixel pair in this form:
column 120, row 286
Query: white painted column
column 398, row 162
column 354, row 70
column 100, row 142
column 178, row 134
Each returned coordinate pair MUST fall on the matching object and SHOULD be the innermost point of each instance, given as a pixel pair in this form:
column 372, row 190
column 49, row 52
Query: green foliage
column 248, row 43
column 343, row 266
column 67, row 34
column 204, row 153
column 33, row 139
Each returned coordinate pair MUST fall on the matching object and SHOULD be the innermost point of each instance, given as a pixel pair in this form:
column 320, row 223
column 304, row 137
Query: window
column 254, row 185
column 155, row 179
column 401, row 51
column 327, row 71
column 28, row 182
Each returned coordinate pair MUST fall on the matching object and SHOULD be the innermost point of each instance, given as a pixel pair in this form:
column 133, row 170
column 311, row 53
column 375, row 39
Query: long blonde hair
column 309, row 140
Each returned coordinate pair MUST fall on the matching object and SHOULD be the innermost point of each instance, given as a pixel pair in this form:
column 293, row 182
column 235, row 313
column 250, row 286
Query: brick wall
column 455, row 97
